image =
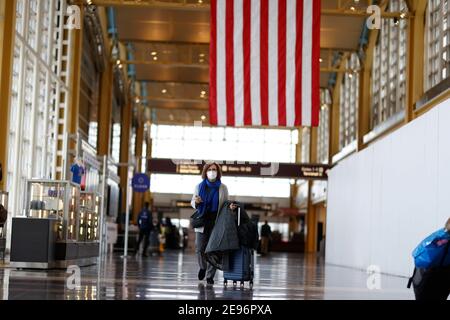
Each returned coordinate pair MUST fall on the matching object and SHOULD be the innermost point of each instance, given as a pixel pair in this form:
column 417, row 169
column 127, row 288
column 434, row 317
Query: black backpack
column 248, row 231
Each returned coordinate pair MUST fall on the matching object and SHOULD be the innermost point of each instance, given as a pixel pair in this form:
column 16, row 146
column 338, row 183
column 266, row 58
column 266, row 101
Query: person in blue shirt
column 145, row 225
column 78, row 171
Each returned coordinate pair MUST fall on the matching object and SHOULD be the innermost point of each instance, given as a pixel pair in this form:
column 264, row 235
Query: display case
column 59, row 227
column 59, row 200
column 89, row 217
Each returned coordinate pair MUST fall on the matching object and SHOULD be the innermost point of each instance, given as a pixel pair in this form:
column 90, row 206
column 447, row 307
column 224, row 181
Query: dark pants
column 143, row 234
column 201, row 241
column 431, row 284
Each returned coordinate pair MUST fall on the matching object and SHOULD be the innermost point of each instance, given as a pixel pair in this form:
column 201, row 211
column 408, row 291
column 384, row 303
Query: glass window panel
column 437, row 35
column 36, row 95
column 349, row 102
column 390, row 54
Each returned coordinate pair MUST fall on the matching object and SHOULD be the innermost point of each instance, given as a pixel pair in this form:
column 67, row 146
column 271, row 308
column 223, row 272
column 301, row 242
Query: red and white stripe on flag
column 264, row 62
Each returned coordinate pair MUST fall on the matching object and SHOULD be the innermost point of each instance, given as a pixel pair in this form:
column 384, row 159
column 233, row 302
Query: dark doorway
column 319, row 234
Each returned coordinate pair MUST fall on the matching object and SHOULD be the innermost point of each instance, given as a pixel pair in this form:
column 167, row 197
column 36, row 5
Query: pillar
column 416, row 50
column 76, row 46
column 105, row 111
column 311, row 216
column 7, row 33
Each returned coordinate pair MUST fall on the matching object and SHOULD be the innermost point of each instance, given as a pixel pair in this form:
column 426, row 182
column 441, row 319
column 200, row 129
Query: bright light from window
column 93, row 133
column 237, row 186
column 234, row 144
column 115, row 150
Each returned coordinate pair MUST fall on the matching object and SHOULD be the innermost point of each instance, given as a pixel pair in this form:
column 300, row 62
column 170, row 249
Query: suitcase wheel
column 251, row 284
column 234, row 283
column 225, row 283
column 242, row 283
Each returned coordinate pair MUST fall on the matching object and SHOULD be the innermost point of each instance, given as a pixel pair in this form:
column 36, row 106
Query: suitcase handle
column 239, row 216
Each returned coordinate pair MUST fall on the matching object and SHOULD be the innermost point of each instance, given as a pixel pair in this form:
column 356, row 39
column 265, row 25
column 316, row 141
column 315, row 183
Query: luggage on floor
column 241, row 267
column 241, row 264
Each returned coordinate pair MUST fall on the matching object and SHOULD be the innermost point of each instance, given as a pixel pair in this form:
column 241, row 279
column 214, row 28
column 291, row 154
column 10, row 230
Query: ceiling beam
column 171, row 64
column 175, row 104
column 183, row 5
column 148, row 3
column 206, row 44
column 173, row 82
column 362, row 13
column 165, row 42
column 205, row 66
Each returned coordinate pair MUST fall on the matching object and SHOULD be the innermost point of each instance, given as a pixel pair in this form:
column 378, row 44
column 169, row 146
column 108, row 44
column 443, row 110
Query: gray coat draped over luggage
column 224, row 236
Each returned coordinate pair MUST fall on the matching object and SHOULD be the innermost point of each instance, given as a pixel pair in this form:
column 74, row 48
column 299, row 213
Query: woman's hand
column 233, row 206
column 198, row 200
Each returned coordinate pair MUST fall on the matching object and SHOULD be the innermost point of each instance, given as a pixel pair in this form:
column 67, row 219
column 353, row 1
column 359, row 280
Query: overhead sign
column 140, row 182
column 183, row 204
column 243, row 169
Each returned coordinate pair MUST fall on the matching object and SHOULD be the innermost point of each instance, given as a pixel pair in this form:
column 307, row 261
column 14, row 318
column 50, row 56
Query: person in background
column 145, row 226
column 171, row 234
column 208, row 198
column 266, row 233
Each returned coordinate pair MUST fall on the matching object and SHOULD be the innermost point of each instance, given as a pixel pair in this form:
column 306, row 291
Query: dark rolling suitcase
column 241, row 266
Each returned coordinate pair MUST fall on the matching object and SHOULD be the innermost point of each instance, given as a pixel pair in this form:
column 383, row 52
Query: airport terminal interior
column 326, row 121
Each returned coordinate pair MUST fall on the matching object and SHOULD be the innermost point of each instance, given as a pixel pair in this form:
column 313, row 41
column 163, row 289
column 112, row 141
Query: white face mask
column 212, row 175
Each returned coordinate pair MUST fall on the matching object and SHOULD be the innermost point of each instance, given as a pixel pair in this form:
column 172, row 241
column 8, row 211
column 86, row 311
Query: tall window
column 133, row 142
column 389, row 67
column 89, row 91
column 438, row 42
column 115, row 142
column 147, row 127
column 323, row 136
column 306, row 143
column 144, row 156
column 348, row 106
column 39, row 95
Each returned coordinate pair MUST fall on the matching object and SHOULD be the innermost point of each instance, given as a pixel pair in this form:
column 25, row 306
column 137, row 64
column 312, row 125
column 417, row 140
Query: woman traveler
column 208, row 198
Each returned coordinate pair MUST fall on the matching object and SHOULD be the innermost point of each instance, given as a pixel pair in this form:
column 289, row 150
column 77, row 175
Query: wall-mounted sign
column 140, row 182
column 262, row 170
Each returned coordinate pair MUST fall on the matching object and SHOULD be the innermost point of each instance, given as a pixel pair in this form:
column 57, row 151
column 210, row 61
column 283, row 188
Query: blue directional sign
column 140, row 182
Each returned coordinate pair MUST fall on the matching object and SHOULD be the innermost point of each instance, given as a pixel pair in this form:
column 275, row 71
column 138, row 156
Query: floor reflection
column 174, row 276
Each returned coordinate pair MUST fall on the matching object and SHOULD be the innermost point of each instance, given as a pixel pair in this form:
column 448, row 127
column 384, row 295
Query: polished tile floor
column 173, row 276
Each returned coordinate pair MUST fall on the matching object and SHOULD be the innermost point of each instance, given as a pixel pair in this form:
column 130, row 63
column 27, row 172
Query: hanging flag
column 264, row 62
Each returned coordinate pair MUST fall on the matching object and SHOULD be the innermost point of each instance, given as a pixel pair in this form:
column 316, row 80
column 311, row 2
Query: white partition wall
column 385, row 199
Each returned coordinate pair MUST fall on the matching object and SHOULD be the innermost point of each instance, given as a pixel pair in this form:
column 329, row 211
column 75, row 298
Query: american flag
column 264, row 62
